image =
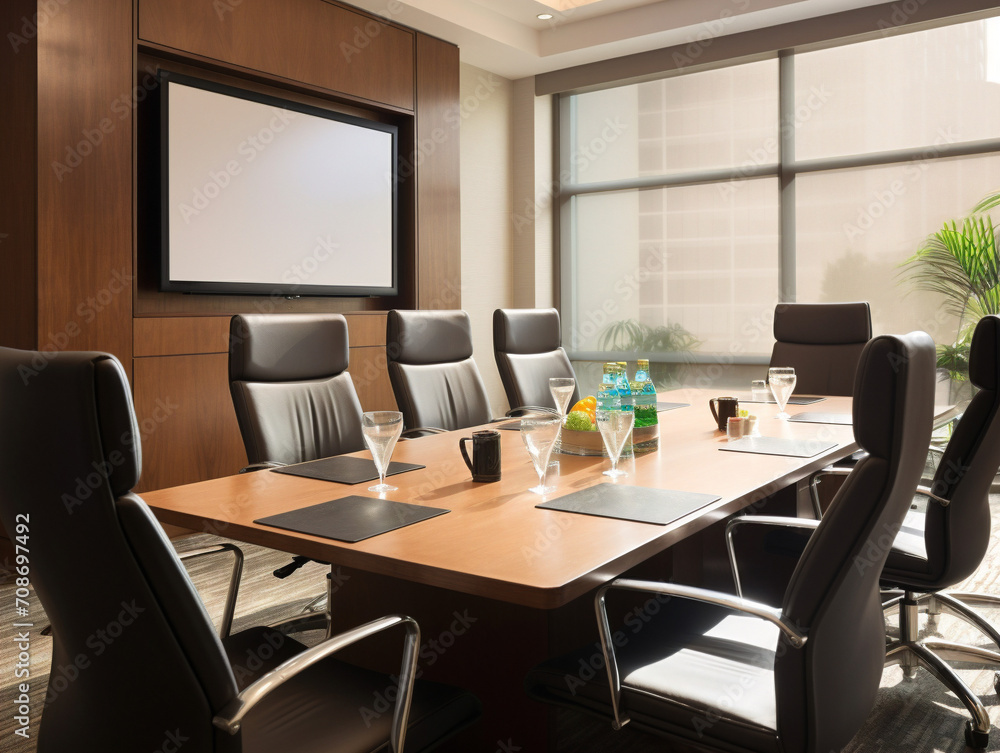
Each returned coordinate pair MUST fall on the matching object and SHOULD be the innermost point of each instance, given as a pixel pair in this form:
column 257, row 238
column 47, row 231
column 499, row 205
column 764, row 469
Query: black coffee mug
column 729, row 407
column 485, row 463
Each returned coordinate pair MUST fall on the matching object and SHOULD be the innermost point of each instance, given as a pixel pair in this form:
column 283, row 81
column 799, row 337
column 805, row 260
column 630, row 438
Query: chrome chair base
column 910, row 653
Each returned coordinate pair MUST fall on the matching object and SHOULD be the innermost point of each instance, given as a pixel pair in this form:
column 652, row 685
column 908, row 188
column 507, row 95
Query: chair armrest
column 421, row 431
column 814, row 483
column 767, row 520
column 522, row 409
column 231, row 717
column 264, row 465
column 753, row 608
column 234, row 580
column 925, row 491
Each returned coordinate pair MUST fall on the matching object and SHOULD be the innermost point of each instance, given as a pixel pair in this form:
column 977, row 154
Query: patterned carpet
column 910, row 715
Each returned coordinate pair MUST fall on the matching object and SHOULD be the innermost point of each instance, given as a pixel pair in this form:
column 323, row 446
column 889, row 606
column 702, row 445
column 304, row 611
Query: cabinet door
column 310, row 41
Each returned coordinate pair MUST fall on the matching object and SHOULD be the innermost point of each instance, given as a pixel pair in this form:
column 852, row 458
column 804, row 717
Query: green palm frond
column 990, row 201
column 960, row 263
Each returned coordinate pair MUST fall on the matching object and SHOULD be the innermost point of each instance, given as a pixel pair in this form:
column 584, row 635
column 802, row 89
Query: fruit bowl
column 644, row 439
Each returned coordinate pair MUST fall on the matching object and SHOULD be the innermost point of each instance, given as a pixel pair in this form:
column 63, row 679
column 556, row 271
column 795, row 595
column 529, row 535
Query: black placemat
column 660, row 407
column 344, row 470
column 796, row 448
column 637, row 503
column 793, row 400
column 512, row 426
column 351, row 519
column 809, row 417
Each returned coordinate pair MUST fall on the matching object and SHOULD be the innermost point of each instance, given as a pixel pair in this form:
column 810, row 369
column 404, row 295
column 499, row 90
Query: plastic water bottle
column 644, row 396
column 607, row 394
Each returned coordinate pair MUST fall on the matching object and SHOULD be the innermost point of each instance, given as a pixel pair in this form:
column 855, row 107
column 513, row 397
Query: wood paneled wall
column 80, row 220
column 18, row 73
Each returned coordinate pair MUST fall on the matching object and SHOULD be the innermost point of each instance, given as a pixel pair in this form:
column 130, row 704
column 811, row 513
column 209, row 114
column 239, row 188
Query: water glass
column 539, row 432
column 759, row 392
column 615, row 426
column 781, row 380
column 381, row 429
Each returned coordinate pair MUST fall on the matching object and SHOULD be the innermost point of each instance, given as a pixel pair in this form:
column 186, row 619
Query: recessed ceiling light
column 544, row 16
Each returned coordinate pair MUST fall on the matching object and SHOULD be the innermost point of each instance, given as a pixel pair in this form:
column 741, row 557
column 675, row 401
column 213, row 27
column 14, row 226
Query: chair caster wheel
column 974, row 738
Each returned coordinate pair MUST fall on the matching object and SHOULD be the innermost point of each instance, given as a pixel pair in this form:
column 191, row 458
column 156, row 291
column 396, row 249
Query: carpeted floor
column 910, row 715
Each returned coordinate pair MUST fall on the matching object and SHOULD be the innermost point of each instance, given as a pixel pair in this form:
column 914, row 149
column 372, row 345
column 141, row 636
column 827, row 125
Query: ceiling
column 507, row 37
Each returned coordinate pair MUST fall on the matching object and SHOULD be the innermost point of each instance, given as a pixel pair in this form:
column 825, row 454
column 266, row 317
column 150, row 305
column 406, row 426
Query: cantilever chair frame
column 907, row 651
column 746, row 606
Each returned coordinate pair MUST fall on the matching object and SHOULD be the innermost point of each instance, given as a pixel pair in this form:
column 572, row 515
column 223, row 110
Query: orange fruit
column 589, row 406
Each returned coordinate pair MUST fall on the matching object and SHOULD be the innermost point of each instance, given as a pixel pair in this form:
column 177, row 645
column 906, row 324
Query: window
column 686, row 203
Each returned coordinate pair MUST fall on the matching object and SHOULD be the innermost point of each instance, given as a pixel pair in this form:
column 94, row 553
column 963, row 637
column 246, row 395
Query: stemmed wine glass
column 381, row 429
column 539, row 435
column 615, row 426
column 781, row 380
column 562, row 392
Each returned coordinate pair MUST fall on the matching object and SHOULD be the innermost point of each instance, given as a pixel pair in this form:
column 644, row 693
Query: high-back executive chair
column 99, row 558
column 527, row 346
column 945, row 539
column 436, row 383
column 293, row 397
column 941, row 542
column 294, row 402
column 823, row 342
column 798, row 675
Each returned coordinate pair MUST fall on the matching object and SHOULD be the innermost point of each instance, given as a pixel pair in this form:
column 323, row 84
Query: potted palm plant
column 633, row 336
column 960, row 262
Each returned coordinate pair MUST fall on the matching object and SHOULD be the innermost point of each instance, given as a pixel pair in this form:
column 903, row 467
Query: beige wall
column 487, row 111
column 506, row 207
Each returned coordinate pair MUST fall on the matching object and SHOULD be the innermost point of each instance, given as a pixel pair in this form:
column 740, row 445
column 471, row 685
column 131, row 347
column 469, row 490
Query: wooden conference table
column 496, row 583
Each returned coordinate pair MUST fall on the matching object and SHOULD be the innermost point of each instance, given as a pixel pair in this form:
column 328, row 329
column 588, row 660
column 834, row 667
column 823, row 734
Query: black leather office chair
column 527, row 346
column 943, row 539
column 69, row 457
column 294, row 402
column 436, row 383
column 728, row 674
column 823, row 341
column 293, row 397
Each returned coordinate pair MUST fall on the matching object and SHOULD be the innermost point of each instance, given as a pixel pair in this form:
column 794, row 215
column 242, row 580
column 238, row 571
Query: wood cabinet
column 80, row 271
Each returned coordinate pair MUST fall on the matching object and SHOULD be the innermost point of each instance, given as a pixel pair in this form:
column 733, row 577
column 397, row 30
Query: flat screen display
column 265, row 196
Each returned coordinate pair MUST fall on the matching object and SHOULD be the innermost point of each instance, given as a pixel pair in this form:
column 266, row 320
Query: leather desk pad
column 344, row 470
column 637, row 503
column 351, row 519
column 796, row 448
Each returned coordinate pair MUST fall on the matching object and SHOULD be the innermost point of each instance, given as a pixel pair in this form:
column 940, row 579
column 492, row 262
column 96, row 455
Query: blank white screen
column 262, row 194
